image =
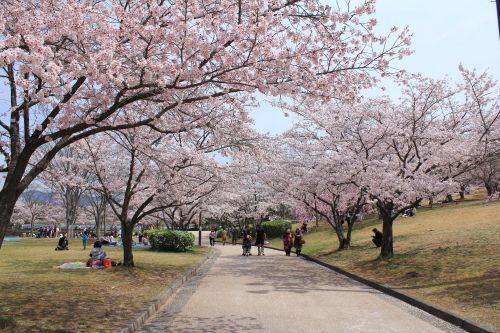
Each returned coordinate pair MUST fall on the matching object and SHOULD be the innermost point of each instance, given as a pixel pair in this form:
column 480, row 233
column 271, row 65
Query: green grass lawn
column 36, row 297
column 448, row 255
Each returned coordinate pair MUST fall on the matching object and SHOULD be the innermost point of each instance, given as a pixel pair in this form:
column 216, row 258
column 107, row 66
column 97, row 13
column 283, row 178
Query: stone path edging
column 153, row 306
column 451, row 318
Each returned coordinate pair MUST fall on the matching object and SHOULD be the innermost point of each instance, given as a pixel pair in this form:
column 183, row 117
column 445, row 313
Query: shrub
column 170, row 240
column 275, row 229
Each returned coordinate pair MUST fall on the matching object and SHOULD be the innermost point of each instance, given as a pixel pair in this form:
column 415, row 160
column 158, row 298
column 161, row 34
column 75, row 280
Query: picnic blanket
column 72, row 265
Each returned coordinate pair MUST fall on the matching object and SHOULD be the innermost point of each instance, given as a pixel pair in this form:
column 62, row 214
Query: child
column 97, row 255
column 247, row 246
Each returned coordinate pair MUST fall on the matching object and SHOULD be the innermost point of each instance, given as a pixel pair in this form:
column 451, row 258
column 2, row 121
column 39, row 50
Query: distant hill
column 47, row 197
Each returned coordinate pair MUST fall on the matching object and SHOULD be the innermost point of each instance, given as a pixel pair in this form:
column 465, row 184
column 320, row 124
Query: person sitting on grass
column 377, row 238
column 63, row 243
column 97, row 255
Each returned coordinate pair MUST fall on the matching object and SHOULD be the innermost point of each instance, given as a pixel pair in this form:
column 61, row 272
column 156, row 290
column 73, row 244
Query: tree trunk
column 449, row 198
column 385, row 211
column 127, row 233
column 387, row 249
column 462, row 192
column 344, row 244
column 490, row 187
column 6, row 210
column 32, row 226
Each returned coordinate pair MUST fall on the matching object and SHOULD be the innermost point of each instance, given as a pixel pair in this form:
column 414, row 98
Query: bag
column 302, row 241
column 106, row 263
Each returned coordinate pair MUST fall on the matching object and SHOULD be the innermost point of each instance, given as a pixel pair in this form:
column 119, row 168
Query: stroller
column 247, row 246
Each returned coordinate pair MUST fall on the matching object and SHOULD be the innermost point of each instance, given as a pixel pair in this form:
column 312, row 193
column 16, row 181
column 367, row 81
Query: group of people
column 290, row 240
column 47, row 232
column 260, row 239
column 295, row 240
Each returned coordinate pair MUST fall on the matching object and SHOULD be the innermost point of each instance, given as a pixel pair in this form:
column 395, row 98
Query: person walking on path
column 287, row 242
column 260, row 237
column 298, row 241
column 234, row 235
column 84, row 238
column 211, row 236
column 223, row 236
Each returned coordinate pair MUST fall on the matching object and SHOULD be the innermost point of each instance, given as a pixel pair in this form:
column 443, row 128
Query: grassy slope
column 449, row 256
column 40, row 297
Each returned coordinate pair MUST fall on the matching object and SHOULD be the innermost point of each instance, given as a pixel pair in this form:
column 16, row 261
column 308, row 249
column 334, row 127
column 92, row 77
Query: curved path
column 275, row 293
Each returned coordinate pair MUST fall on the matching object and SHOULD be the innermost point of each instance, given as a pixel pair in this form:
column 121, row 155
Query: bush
column 276, row 229
column 169, row 240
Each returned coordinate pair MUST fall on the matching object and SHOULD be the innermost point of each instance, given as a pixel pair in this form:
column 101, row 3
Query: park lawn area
column 39, row 298
column 447, row 255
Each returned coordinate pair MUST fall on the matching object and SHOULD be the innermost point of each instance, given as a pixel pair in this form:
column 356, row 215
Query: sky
column 445, row 34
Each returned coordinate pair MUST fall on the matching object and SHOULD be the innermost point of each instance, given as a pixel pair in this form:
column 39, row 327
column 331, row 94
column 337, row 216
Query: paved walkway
column 276, row 293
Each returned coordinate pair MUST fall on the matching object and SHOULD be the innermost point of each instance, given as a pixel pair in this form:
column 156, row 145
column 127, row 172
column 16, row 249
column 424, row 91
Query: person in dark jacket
column 377, row 237
column 63, row 243
column 260, row 238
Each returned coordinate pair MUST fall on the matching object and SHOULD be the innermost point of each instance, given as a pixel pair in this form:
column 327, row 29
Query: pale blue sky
column 445, row 33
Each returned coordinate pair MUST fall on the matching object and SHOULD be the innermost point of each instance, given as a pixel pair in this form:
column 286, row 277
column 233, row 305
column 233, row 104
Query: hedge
column 276, row 229
column 170, row 240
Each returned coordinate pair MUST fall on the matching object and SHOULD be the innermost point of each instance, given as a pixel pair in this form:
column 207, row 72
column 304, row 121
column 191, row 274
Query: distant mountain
column 37, row 196
column 47, row 197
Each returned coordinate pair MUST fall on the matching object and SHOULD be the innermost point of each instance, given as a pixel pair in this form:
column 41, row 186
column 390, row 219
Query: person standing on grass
column 84, row 238
column 211, row 237
column 298, row 241
column 287, row 242
column 260, row 237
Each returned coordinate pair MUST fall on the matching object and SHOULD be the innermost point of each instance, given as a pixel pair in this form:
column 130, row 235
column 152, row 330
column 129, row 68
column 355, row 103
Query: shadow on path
column 288, row 274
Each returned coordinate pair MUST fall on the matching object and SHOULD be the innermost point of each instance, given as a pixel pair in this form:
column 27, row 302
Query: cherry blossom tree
column 142, row 173
column 97, row 209
column 315, row 174
column 401, row 152
column 29, row 210
column 68, row 179
column 78, row 68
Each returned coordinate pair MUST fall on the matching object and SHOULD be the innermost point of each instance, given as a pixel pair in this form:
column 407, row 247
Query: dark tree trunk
column 449, row 198
column 462, row 192
column 387, row 249
column 7, row 203
column 127, row 233
column 490, row 187
column 343, row 243
column 431, row 201
column 385, row 211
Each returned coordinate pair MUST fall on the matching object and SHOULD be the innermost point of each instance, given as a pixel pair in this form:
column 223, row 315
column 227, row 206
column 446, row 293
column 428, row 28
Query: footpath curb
column 451, row 318
column 152, row 306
